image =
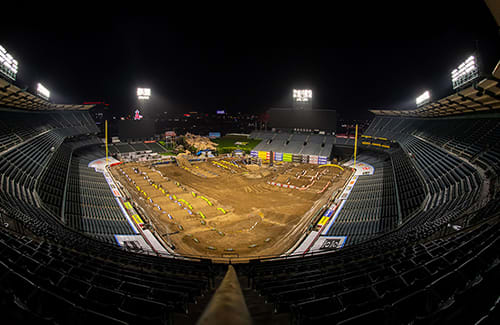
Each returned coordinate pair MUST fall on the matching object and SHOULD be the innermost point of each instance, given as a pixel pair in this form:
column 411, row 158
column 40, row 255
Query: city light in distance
column 42, row 91
column 143, row 93
column 423, row 99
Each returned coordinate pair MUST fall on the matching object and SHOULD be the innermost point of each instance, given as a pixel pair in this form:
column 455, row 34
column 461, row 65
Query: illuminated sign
column 138, row 115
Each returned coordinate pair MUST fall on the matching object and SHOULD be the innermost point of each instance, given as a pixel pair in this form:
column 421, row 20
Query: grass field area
column 228, row 143
column 168, row 153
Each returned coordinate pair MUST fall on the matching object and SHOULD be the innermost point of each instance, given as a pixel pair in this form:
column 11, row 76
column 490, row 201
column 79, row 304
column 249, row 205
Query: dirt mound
column 253, row 167
column 199, row 142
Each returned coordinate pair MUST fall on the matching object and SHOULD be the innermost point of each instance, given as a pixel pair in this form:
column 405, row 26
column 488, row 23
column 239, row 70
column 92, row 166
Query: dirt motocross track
column 226, row 208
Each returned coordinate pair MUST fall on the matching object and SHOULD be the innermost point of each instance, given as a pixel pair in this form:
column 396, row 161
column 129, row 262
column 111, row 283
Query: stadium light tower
column 8, row 65
column 302, row 98
column 143, row 93
column 465, row 72
column 423, row 99
column 42, row 91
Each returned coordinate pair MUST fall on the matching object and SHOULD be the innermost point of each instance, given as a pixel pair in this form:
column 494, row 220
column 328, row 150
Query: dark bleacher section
column 445, row 280
column 52, row 183
column 446, row 176
column 49, row 283
column 137, row 146
column 380, row 202
column 451, row 183
column 409, row 186
column 123, row 147
column 91, row 206
column 296, row 143
column 155, row 147
column 18, row 126
column 371, row 207
column 475, row 139
column 21, row 166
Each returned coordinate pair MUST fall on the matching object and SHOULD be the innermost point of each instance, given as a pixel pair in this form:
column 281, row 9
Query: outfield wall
column 289, row 157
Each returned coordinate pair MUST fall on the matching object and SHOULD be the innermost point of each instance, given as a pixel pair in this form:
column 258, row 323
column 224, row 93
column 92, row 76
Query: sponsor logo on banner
column 333, row 243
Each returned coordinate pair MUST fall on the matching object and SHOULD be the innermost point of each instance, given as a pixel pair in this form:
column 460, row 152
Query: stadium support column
column 355, row 145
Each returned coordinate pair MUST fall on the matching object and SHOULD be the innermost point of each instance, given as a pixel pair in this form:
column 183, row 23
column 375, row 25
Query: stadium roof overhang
column 13, row 96
column 494, row 7
column 480, row 96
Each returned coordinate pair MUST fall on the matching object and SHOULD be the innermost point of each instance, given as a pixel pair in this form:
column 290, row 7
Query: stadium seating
column 402, row 284
column 90, row 205
column 475, row 139
column 371, row 208
column 405, row 261
column 295, row 143
column 408, row 185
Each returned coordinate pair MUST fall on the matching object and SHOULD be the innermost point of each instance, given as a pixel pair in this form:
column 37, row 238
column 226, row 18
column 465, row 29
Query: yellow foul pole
column 106, row 137
column 355, row 145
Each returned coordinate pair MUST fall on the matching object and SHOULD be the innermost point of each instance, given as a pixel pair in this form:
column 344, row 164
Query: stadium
column 290, row 223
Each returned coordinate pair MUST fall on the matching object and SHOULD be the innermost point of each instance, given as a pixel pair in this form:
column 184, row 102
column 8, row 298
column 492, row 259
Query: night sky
column 249, row 56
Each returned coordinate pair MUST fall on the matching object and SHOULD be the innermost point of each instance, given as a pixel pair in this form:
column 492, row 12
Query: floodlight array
column 466, row 71
column 302, row 95
column 143, row 93
column 8, row 65
column 423, row 99
column 42, row 91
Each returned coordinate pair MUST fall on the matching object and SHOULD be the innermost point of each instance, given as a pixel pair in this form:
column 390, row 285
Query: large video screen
column 131, row 129
column 287, row 118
